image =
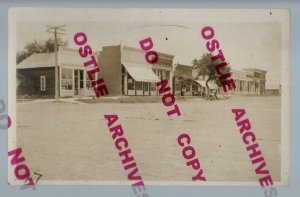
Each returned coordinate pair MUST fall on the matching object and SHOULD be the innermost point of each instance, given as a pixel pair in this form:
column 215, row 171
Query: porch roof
column 141, row 72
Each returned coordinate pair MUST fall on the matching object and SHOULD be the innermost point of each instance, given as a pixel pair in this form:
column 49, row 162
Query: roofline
column 178, row 66
column 36, row 67
column 255, row 69
column 141, row 50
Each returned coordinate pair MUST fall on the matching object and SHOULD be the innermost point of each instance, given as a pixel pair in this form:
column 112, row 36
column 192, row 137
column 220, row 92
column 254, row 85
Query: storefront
column 184, row 85
column 203, row 88
column 36, row 75
column 126, row 72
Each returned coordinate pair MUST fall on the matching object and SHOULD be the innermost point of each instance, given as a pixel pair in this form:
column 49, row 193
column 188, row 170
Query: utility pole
column 56, row 30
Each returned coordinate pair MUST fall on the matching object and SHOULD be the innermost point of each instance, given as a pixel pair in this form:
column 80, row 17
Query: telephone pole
column 56, row 30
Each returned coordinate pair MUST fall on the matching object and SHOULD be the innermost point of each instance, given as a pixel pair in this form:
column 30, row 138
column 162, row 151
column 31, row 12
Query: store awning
column 141, row 72
column 211, row 85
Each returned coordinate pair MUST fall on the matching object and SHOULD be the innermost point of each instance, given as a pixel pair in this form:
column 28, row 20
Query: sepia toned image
column 183, row 90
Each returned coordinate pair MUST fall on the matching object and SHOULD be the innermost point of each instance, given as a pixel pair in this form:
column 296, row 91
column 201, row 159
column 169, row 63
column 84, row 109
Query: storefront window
column 81, row 79
column 161, row 76
column 146, row 86
column 139, row 85
column 67, row 79
column 153, row 87
column 130, row 82
column 87, row 82
column 167, row 75
column 177, row 84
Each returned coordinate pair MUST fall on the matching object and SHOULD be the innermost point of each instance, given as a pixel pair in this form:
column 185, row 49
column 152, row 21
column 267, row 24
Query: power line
column 56, row 30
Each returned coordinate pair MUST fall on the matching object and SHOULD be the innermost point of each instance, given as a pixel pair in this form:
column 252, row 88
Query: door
column 79, row 82
column 146, row 88
column 76, row 73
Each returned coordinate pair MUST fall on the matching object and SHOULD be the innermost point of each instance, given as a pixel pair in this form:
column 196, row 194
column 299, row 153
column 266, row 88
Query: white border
column 125, row 14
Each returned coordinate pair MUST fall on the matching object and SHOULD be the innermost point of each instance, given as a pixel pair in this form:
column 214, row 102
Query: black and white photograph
column 192, row 89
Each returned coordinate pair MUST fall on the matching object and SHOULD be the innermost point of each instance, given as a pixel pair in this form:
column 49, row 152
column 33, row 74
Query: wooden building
column 126, row 72
column 36, row 75
column 183, row 81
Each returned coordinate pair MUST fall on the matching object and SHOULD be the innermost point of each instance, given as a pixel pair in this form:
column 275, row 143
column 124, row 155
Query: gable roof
column 38, row 60
column 66, row 57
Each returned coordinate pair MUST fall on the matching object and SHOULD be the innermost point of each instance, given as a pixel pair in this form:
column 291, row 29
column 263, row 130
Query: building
column 273, row 90
column 126, row 72
column 183, row 83
column 259, row 78
column 36, row 75
column 211, row 85
column 249, row 81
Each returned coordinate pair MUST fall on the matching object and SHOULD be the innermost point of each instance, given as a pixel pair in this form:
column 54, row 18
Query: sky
column 244, row 45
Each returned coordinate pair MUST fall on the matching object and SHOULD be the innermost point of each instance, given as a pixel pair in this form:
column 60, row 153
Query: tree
column 205, row 66
column 37, row 47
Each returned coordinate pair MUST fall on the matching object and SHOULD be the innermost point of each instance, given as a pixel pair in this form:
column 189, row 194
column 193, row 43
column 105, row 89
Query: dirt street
column 71, row 141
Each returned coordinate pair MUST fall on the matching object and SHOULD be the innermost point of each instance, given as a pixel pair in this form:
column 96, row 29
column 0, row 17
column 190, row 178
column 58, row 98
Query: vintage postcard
column 149, row 96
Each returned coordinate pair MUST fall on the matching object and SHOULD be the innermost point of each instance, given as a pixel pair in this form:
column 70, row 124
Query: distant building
column 36, row 75
column 249, row 81
column 273, row 90
column 203, row 88
column 183, row 83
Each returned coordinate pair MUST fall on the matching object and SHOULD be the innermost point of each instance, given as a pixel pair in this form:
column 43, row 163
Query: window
column 177, row 84
column 130, row 82
column 42, row 83
column 160, row 74
column 257, row 75
column 139, row 85
column 167, row 75
column 88, row 82
column 67, row 79
column 152, row 87
column 81, row 79
column 146, row 86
